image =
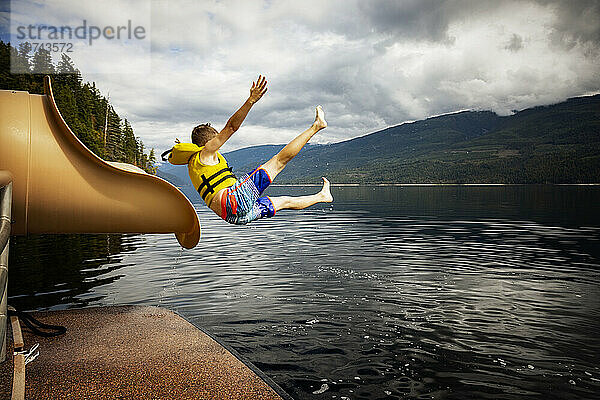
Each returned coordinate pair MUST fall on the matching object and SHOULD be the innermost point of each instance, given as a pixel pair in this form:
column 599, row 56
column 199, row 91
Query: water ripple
column 398, row 301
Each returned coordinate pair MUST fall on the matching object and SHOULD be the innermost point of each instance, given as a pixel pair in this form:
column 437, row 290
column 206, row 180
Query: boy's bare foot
column 320, row 122
column 326, row 192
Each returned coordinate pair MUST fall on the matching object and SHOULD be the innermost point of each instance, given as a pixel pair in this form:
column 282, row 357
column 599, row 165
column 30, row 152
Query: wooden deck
column 133, row 352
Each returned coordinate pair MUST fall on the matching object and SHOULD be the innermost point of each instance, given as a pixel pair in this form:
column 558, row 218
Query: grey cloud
column 386, row 62
column 515, row 43
column 429, row 20
column 418, row 20
column 414, row 19
column 576, row 22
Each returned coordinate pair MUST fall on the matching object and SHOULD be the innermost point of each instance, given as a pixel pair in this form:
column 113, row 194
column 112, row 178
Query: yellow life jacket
column 207, row 179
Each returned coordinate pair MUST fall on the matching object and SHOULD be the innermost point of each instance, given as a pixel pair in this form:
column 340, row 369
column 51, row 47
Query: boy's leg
column 278, row 162
column 300, row 202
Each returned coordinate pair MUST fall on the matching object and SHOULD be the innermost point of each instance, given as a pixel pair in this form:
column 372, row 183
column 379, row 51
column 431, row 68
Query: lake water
column 444, row 292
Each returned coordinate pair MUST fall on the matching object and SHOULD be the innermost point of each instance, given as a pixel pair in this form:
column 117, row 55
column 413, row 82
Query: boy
column 238, row 201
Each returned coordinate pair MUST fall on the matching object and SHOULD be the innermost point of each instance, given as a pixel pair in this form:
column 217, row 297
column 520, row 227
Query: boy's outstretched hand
column 258, row 89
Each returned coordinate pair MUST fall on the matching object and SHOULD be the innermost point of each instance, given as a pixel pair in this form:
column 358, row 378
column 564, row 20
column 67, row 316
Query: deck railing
column 5, row 221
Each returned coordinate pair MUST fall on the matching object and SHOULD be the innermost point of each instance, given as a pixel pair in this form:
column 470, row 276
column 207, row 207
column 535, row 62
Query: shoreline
column 435, row 184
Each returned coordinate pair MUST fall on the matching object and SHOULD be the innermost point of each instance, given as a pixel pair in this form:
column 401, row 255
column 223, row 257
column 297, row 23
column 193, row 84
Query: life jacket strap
column 164, row 155
column 210, row 187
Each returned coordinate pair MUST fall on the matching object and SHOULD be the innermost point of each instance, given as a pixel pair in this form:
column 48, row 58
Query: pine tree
column 150, row 166
column 68, row 73
column 23, row 65
column 129, row 144
column 114, row 150
column 42, row 62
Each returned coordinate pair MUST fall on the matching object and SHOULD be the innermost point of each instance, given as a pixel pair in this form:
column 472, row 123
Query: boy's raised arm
column 257, row 90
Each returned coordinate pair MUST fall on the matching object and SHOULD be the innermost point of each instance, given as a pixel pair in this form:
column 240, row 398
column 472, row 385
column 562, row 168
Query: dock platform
column 133, row 352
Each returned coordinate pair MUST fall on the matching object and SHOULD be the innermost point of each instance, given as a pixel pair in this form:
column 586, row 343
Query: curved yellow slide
column 59, row 186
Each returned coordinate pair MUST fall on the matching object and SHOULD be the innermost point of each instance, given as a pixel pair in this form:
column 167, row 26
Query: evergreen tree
column 42, row 62
column 150, row 165
column 68, row 74
column 142, row 161
column 22, row 59
column 129, row 144
column 113, row 139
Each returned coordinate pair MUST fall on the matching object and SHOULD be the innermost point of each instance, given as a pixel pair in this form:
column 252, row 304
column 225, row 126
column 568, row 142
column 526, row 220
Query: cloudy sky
column 371, row 64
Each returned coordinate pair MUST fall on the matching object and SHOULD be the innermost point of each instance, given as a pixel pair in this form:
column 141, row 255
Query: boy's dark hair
column 202, row 134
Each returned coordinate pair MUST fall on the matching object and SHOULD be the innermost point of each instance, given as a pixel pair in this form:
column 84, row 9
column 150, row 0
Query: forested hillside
column 558, row 143
column 552, row 144
column 87, row 112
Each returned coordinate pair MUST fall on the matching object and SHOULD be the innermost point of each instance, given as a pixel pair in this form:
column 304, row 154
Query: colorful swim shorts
column 242, row 202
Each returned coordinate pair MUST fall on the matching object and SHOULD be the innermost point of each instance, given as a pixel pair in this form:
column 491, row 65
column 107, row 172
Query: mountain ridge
column 558, row 143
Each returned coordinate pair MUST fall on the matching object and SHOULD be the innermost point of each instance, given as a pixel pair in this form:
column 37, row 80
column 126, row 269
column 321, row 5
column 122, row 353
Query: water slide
column 60, row 186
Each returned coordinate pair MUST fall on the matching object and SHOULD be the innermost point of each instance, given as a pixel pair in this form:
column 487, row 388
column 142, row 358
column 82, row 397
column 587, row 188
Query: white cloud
column 370, row 64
